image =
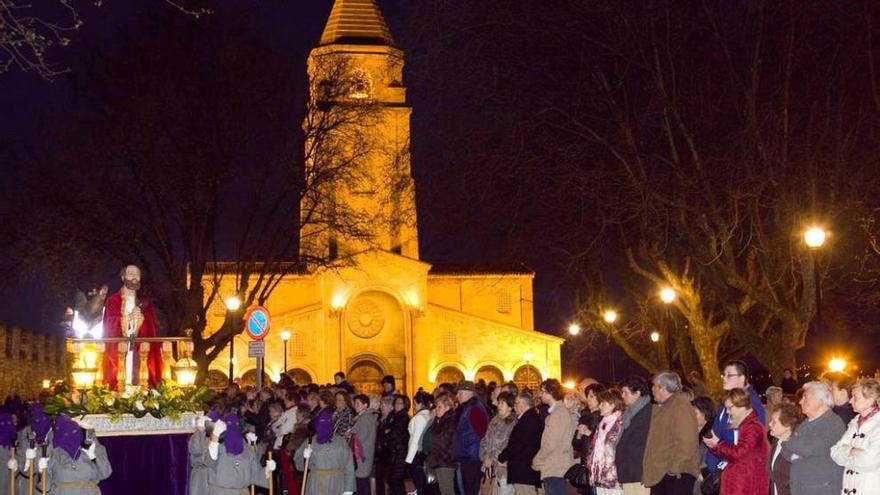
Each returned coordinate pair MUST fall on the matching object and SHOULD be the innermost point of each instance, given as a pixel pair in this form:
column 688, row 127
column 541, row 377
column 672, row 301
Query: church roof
column 480, row 269
column 357, row 22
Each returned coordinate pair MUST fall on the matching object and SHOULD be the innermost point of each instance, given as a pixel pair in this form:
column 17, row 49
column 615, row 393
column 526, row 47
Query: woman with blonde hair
column 858, row 451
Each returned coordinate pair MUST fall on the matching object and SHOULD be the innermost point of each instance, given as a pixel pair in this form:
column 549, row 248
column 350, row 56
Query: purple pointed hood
column 213, row 415
column 7, row 430
column 234, row 440
column 39, row 422
column 68, row 436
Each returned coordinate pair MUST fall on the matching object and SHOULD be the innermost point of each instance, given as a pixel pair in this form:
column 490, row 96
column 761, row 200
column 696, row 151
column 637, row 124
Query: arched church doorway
column 449, row 374
column 527, row 376
column 489, row 374
column 299, row 376
column 366, row 376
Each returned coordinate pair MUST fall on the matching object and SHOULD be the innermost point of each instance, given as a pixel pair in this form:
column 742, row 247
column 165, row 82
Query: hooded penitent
column 7, row 431
column 234, row 440
column 68, row 436
column 39, row 422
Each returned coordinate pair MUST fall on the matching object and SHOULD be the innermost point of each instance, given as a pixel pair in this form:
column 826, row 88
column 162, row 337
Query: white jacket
column 283, row 425
column 861, row 473
column 416, row 427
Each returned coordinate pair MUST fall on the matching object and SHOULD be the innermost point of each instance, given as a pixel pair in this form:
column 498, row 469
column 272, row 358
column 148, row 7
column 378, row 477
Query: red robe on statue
column 113, row 328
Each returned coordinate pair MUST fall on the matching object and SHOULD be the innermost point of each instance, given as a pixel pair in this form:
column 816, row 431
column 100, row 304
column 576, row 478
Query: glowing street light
column 610, row 316
column 569, row 384
column 574, row 329
column 233, row 303
column 837, row 364
column 814, row 237
column 655, row 336
column 667, row 295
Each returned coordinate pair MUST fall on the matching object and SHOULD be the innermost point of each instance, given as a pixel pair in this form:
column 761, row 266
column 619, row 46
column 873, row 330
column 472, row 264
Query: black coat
column 631, row 447
column 392, row 444
column 524, row 443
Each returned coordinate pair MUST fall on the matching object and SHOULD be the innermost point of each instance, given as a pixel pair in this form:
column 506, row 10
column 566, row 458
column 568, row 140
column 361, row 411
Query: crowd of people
column 658, row 436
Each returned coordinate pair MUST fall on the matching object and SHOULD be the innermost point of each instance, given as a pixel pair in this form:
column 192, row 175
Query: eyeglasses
column 731, row 375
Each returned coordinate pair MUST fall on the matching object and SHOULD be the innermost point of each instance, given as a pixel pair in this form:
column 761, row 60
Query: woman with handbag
column 603, row 471
column 746, row 470
column 495, row 441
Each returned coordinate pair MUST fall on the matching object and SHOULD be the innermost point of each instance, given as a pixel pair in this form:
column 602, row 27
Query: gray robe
column 197, row 448
column 809, row 451
column 78, row 476
column 365, row 427
column 331, row 467
column 22, row 443
column 4, row 473
column 234, row 474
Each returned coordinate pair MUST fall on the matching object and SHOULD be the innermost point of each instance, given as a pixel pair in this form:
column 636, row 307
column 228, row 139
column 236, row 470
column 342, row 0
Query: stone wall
column 27, row 358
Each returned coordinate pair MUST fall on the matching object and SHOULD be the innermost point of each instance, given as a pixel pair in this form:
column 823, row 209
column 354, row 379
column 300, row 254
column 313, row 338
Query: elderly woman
column 440, row 450
column 858, row 451
column 783, row 420
column 746, row 471
column 603, row 472
column 496, row 439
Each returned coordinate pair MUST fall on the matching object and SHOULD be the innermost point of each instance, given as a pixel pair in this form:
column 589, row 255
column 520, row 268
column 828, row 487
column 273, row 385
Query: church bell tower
column 361, row 193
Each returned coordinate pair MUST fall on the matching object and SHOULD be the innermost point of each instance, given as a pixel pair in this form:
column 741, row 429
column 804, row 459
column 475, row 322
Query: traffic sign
column 257, row 349
column 257, row 322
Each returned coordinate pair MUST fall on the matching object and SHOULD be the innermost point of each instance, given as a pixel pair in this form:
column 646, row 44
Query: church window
column 502, row 303
column 299, row 344
column 450, row 344
column 527, row 377
column 361, row 85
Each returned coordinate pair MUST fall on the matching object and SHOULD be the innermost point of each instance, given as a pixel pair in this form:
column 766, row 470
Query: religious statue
column 127, row 314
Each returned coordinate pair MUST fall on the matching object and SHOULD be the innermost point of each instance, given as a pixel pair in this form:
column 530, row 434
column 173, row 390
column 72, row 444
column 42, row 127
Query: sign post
column 257, row 324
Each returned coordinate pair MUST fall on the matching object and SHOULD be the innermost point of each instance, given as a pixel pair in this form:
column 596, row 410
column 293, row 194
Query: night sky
column 35, row 109
column 487, row 81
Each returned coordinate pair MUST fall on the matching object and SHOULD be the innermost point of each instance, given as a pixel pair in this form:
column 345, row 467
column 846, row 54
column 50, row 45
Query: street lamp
column 814, row 237
column 667, row 295
column 837, row 365
column 574, row 329
column 655, row 337
column 285, row 336
column 610, row 316
column 233, row 304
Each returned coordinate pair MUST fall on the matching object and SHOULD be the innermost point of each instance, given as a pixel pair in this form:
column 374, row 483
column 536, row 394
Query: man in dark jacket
column 473, row 421
column 634, row 434
column 524, row 442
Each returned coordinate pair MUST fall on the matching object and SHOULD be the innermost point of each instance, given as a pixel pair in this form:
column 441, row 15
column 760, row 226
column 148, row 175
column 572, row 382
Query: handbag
column 711, row 483
column 578, row 476
column 357, row 448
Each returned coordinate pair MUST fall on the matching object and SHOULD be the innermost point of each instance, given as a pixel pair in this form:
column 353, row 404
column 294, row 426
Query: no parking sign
column 257, row 322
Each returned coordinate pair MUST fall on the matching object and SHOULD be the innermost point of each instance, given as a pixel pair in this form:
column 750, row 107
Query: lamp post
column 233, row 304
column 668, row 296
column 814, row 238
column 610, row 316
column 574, row 329
column 285, row 336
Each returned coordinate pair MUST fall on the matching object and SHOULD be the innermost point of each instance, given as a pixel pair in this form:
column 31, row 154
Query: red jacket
column 746, row 471
column 113, row 328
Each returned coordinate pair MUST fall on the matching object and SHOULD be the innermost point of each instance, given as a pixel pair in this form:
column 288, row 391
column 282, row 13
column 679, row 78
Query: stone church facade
column 385, row 311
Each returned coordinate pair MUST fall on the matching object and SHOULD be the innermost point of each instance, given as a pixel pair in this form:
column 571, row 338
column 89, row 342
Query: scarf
column 68, row 436
column 866, row 417
column 634, row 409
column 7, row 431
column 234, row 440
column 598, row 457
column 39, row 422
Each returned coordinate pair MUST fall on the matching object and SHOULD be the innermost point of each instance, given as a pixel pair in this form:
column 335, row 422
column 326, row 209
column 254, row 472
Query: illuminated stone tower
column 356, row 76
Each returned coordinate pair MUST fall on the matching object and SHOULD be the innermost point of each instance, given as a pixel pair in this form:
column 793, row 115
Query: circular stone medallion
column 365, row 319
